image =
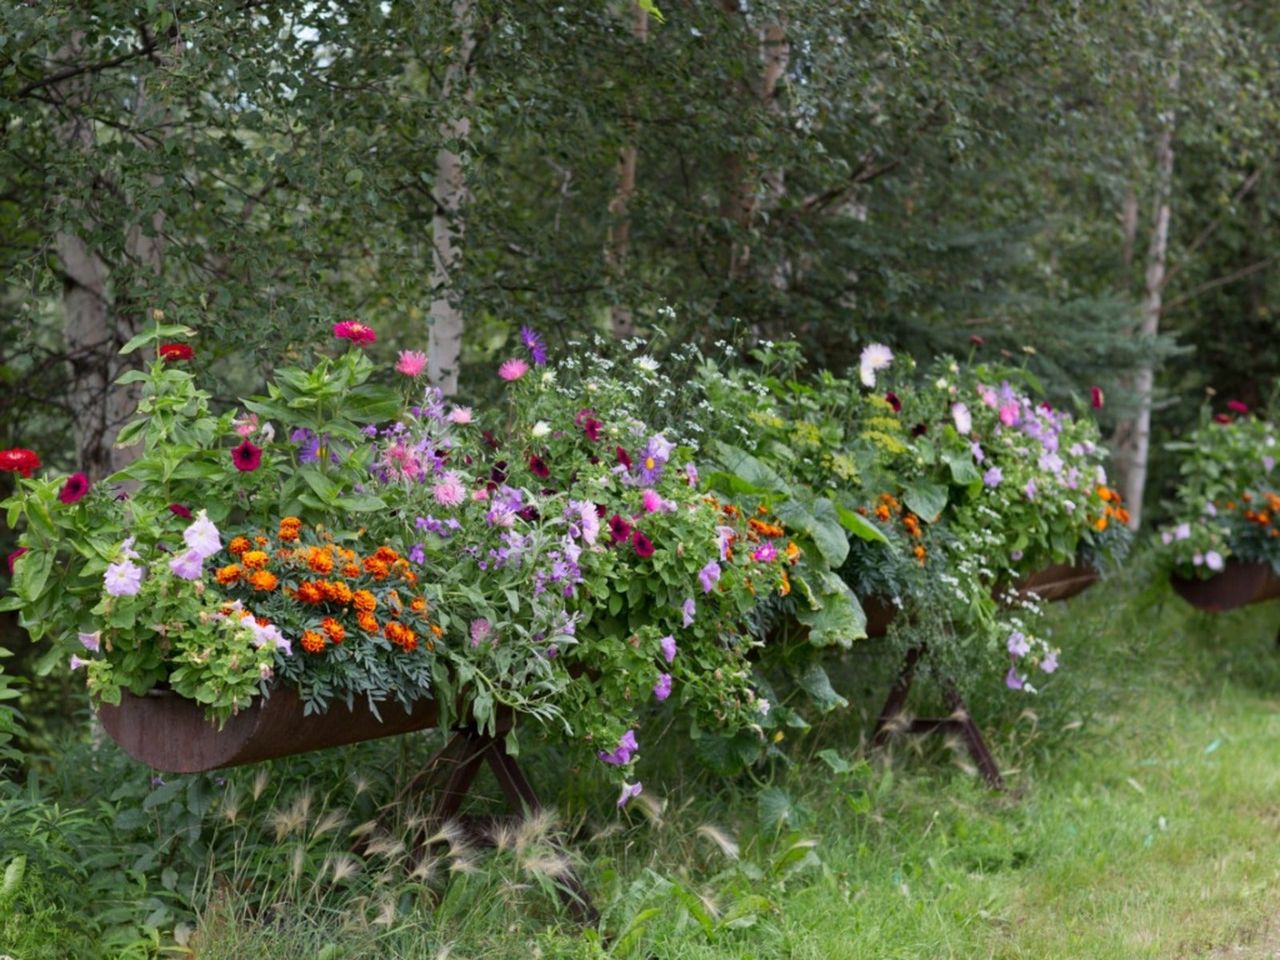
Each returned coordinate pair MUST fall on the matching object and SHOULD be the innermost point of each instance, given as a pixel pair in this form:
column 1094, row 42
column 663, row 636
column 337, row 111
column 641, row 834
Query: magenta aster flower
column 765, row 553
column 411, row 363
column 513, row 369
column 355, row 331
column 449, row 492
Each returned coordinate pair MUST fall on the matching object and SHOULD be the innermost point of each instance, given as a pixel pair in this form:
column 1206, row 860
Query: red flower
column 624, row 458
column 179, row 510
column 592, row 429
column 1095, row 397
column 538, row 467
column 19, row 459
column 643, row 545
column 619, row 529
column 976, row 340
column 1237, row 407
column 13, row 557
column 77, row 486
column 893, row 401
column 246, row 457
column 355, row 331
column 176, row 351
column 1222, row 417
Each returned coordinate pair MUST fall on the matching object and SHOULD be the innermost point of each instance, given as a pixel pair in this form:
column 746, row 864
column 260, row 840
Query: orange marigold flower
column 409, row 577
column 309, row 592
column 261, row 541
column 882, row 513
column 1100, row 524
column 1105, row 494
column 289, row 528
column 784, row 588
column 418, row 605
column 350, row 570
column 376, row 568
column 1247, row 497
column 1122, row 516
column 312, row 642
column 386, row 554
column 792, row 552
column 320, row 560
column 238, row 546
column 437, row 630
column 333, row 629
column 255, row 559
column 364, row 601
column 227, row 575
column 340, row 593
column 368, row 623
column 766, row 529
column 920, row 555
column 263, row 580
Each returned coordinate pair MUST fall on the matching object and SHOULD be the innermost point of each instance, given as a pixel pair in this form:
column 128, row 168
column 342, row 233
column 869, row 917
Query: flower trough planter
column 170, row 733
column 1054, row 583
column 1239, row 585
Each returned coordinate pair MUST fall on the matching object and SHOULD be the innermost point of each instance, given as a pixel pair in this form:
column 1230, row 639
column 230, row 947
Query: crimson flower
column 642, row 544
column 919, row 430
column 246, row 457
column 176, row 351
column 592, row 429
column 1222, row 417
column 1237, row 407
column 355, row 331
column 77, row 486
column 893, row 401
column 619, row 529
column 538, row 467
column 13, row 558
column 1095, row 397
column 624, row 458
column 179, row 510
column 976, row 340
column 20, row 459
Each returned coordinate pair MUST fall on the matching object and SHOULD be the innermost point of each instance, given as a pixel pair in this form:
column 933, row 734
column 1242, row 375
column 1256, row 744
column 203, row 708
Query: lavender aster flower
column 533, row 342
column 993, row 477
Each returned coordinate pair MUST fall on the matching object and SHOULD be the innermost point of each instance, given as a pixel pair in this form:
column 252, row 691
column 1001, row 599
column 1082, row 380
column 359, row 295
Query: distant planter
column 170, row 733
column 1239, row 585
column 1058, row 581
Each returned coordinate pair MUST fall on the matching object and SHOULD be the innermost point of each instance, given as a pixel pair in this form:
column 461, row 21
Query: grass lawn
column 1142, row 819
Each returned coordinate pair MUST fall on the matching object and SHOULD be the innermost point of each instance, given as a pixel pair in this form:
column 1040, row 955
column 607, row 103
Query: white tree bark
column 1132, row 440
column 448, row 229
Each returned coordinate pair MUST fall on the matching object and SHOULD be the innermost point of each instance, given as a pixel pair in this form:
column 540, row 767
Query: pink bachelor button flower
column 460, row 415
column 874, row 358
column 411, row 363
column 449, row 492
column 513, row 369
column 765, row 553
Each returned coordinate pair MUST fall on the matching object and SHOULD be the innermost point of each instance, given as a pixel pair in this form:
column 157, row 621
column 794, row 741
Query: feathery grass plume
column 260, row 782
column 547, row 863
column 386, row 846
column 536, row 828
column 362, row 829
column 342, row 867
column 330, row 821
column 386, row 914
column 299, row 861
column 728, row 846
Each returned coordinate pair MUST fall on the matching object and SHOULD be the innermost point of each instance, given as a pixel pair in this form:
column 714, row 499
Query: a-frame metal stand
column 959, row 722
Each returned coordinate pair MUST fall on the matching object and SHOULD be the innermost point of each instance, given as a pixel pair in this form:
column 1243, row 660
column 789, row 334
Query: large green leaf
column 815, row 682
column 751, row 469
column 859, row 525
column 825, row 531
column 963, row 469
column 839, row 620
column 926, row 500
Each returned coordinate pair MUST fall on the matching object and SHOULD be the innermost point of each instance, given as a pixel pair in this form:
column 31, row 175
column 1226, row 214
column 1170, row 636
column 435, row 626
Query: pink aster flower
column 411, row 363
column 460, row 415
column 355, row 331
column 513, row 369
column 765, row 553
column 652, row 500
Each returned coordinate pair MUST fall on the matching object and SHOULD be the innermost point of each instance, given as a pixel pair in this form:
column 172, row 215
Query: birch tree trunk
column 448, row 229
column 1131, row 443
column 618, row 241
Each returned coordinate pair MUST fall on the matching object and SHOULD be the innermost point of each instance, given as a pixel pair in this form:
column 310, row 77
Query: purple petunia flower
column 188, row 566
column 91, row 641
column 993, row 477
column 1050, row 662
column 1019, row 646
column 1012, row 680
column 709, row 576
column 629, row 790
column 123, row 579
column 1030, row 489
column 662, row 689
column 689, row 609
column 621, row 755
column 202, row 537
column 668, row 645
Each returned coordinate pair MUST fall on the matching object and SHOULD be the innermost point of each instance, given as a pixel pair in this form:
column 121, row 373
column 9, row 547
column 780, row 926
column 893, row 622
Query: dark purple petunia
column 893, row 401
column 178, row 510
column 624, row 458
column 643, row 545
column 77, row 486
column 919, row 430
column 246, row 457
column 538, row 467
column 619, row 529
